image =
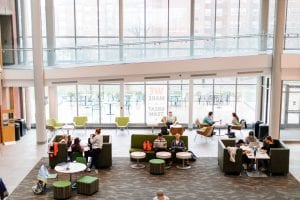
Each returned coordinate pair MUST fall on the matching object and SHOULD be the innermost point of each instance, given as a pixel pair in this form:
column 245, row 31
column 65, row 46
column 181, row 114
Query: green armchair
column 224, row 162
column 80, row 122
column 279, row 159
column 122, row 123
column 53, row 124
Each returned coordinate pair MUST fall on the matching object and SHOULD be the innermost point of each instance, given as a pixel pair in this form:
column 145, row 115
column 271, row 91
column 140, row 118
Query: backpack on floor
column 164, row 130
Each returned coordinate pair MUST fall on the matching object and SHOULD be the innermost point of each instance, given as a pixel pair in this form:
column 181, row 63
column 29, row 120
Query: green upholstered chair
column 80, row 122
column 62, row 189
column 81, row 160
column 87, row 185
column 53, row 124
column 74, row 155
column 122, row 123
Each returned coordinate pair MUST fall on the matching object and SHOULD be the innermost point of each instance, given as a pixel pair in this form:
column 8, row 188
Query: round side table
column 183, row 156
column 138, row 155
column 164, row 155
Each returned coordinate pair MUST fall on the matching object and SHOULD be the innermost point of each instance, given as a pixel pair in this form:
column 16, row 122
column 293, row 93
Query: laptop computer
column 254, row 144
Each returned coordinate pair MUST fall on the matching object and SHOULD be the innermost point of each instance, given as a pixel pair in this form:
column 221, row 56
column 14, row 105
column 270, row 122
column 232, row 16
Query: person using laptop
column 160, row 143
column 250, row 138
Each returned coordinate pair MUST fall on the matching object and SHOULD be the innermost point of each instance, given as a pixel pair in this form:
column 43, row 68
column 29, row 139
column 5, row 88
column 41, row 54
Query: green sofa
column 279, row 159
column 138, row 139
column 224, row 162
column 62, row 154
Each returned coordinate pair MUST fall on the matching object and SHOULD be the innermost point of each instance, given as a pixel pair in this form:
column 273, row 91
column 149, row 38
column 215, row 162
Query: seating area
column 136, row 144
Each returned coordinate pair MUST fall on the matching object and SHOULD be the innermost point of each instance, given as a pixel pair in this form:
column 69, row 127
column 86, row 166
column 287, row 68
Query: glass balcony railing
column 135, row 49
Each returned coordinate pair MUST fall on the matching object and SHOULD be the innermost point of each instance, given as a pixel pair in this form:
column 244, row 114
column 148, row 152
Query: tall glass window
column 134, row 102
column 292, row 40
column 178, row 101
column 203, row 98
column 226, row 24
column 64, row 30
column 110, row 102
column 86, row 30
column 204, row 23
column 109, row 30
column 66, row 103
column 134, row 31
column 88, row 102
column 179, row 27
column 156, row 28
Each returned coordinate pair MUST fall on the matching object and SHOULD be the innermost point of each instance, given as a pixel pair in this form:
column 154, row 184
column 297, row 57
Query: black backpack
column 164, row 130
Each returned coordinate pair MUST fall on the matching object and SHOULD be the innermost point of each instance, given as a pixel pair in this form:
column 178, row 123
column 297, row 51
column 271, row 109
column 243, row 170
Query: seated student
column 76, row 147
column 177, row 145
column 234, row 121
column 250, row 138
column 169, row 120
column 267, row 145
column 209, row 119
column 97, row 142
column 245, row 159
column 160, row 143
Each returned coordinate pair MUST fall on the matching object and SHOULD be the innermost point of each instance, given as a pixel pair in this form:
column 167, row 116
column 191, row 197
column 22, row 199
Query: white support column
column 191, row 94
column 121, row 99
column 121, row 16
column 24, row 19
column 264, row 19
column 27, row 108
column 50, row 28
column 192, row 27
column 276, row 84
column 52, row 101
column 258, row 106
column 38, row 71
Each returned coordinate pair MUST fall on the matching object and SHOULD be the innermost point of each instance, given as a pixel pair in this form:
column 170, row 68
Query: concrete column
column 191, row 94
column 38, row 71
column 24, row 19
column 27, row 108
column 52, row 101
column 121, row 15
column 276, row 84
column 192, row 27
column 258, row 106
column 122, row 99
column 264, row 19
column 50, row 28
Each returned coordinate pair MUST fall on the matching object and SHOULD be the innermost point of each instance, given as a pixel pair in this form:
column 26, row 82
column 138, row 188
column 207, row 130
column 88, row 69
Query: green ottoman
column 62, row 189
column 157, row 166
column 87, row 185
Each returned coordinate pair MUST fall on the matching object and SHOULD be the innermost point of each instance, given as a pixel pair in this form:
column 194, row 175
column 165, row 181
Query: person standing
column 97, row 142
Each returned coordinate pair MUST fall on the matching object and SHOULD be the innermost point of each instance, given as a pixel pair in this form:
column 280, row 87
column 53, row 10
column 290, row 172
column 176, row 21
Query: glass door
column 292, row 105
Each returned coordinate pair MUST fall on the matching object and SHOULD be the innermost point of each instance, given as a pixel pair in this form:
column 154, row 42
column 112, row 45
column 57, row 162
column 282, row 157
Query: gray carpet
column 203, row 181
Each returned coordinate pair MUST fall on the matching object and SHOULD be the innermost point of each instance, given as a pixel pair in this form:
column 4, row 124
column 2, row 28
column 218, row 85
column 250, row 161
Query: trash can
column 22, row 124
column 263, row 131
column 17, row 131
column 256, row 128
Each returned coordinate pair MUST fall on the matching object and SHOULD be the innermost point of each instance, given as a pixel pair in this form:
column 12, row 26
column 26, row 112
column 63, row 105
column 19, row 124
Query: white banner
column 156, row 103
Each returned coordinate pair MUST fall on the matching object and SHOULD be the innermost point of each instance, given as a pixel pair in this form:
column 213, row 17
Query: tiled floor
column 17, row 160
